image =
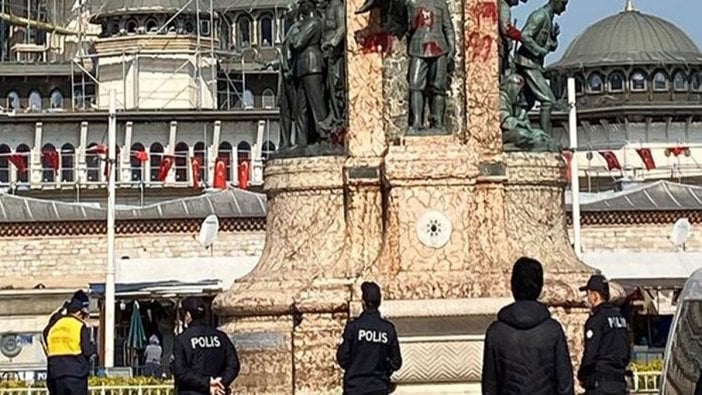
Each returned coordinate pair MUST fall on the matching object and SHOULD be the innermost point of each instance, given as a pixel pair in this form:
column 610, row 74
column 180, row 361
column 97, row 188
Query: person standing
column 607, row 352
column 369, row 352
column 152, row 357
column 525, row 349
column 205, row 360
column 69, row 349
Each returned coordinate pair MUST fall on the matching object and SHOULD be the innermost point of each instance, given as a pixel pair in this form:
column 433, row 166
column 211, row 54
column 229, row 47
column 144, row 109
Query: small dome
column 630, row 38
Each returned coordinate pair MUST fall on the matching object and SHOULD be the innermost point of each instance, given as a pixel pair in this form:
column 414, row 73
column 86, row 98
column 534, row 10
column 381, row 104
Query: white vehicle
column 683, row 355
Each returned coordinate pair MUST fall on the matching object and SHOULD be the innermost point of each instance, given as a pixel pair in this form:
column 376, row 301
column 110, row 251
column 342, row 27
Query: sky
column 583, row 13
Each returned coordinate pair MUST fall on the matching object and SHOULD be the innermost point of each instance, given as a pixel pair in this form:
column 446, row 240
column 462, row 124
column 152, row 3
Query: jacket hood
column 524, row 314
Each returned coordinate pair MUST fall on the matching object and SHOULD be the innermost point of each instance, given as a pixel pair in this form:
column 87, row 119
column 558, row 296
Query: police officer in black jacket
column 205, row 359
column 369, row 352
column 607, row 351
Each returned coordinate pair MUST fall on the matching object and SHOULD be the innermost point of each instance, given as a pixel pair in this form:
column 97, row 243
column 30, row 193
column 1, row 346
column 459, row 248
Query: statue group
column 312, row 93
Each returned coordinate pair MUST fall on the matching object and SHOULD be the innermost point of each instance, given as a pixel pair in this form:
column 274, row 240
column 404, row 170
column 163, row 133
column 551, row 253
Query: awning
column 177, row 276
column 646, row 269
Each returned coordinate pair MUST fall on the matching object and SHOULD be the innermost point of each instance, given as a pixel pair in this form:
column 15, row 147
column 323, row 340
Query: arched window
column 49, row 163
column 78, row 99
column 660, row 82
column 5, row 152
column 68, row 155
column 267, row 31
column 225, row 32
column 155, row 159
column 200, row 153
column 243, row 32
column 56, row 99
column 579, row 85
column 267, row 149
column 92, row 162
column 680, row 82
column 13, row 100
column 137, row 157
column 595, row 84
column 243, row 151
column 225, row 153
column 268, row 98
column 696, row 81
column 131, row 26
column 616, row 82
column 638, row 82
column 151, row 25
column 35, row 101
column 248, row 100
column 182, row 152
column 23, row 151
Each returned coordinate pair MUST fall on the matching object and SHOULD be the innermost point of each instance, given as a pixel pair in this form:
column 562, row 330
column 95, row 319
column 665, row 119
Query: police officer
column 369, row 352
column 69, row 348
column 607, row 350
column 205, row 359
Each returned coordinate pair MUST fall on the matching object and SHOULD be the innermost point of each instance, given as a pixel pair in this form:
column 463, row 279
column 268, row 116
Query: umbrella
column 137, row 336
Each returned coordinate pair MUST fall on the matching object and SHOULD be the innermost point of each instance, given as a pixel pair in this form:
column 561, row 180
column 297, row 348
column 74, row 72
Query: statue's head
column 306, row 8
column 291, row 10
column 559, row 6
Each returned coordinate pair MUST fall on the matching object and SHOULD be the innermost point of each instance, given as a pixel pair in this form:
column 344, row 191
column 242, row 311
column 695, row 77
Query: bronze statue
column 508, row 34
column 517, row 133
column 431, row 48
column 539, row 38
column 334, row 48
column 312, row 118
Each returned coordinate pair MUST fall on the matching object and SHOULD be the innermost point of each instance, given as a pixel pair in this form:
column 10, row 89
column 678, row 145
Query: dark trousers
column 310, row 108
column 72, row 386
column 51, row 386
column 608, row 388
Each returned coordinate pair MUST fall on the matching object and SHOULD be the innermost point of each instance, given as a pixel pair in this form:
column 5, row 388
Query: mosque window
column 68, row 155
column 680, row 82
column 13, row 100
column 243, row 32
column 268, row 98
column 151, row 25
column 155, row 159
column 92, row 162
column 579, row 86
column 35, row 101
column 24, row 151
column 182, row 152
column 638, row 82
column 225, row 153
column 267, row 149
column 267, row 31
column 616, row 82
column 4, row 163
column 48, row 155
column 137, row 157
column 595, row 83
column 56, row 99
column 696, row 81
column 660, row 82
column 200, row 153
column 243, row 151
column 132, row 25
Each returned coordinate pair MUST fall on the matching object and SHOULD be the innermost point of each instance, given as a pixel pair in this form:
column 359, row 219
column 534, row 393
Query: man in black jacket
column 607, row 353
column 69, row 349
column 58, row 313
column 205, row 361
column 525, row 349
column 370, row 351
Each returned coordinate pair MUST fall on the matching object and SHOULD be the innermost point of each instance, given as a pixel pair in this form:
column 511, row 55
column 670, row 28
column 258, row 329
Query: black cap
column 597, row 283
column 370, row 293
column 194, row 306
column 79, row 301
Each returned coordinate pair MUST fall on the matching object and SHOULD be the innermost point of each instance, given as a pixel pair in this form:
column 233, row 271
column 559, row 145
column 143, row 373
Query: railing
column 647, row 382
column 165, row 389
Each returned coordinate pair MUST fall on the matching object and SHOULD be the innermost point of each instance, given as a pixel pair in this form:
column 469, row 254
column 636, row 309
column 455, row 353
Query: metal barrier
column 100, row 390
column 647, row 382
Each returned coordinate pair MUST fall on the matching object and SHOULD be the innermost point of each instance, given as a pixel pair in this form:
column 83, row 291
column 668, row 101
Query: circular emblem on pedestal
column 434, row 229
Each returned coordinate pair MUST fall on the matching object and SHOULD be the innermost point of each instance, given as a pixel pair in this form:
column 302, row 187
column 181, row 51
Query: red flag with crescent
column 195, row 163
column 166, row 164
column 646, row 158
column 612, row 161
column 244, row 172
column 220, row 174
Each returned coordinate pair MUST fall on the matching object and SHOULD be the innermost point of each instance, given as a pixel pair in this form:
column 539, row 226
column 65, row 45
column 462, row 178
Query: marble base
column 335, row 222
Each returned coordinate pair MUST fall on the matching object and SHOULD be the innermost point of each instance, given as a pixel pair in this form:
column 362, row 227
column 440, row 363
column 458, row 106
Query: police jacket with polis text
column 607, row 353
column 526, row 353
column 201, row 353
column 369, row 354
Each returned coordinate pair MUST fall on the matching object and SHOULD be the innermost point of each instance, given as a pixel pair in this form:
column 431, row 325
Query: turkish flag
column 195, row 163
column 678, row 150
column 51, row 158
column 514, row 33
column 647, row 158
column 568, row 158
column 20, row 162
column 244, row 174
column 142, row 156
column 220, row 174
column 166, row 164
column 612, row 161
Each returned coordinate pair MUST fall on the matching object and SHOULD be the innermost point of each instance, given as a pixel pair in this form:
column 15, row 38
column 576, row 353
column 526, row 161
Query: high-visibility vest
column 64, row 337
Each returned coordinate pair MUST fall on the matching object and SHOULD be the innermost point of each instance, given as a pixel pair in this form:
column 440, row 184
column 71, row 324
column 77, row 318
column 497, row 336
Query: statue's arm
column 304, row 35
column 340, row 31
column 505, row 18
column 450, row 34
column 534, row 24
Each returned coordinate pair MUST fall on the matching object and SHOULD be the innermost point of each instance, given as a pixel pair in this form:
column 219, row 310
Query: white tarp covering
column 644, row 265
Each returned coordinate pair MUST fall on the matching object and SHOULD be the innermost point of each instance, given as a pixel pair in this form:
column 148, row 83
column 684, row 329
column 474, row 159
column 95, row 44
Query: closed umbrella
column 137, row 336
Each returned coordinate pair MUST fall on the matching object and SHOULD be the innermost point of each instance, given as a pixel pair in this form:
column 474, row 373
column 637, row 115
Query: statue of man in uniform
column 333, row 48
column 431, row 48
column 539, row 38
column 508, row 34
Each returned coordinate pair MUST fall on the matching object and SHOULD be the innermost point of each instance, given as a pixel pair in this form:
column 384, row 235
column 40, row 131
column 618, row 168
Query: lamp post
column 574, row 176
column 110, row 273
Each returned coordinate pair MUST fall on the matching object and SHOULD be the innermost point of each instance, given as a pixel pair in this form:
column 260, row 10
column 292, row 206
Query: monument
column 436, row 214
